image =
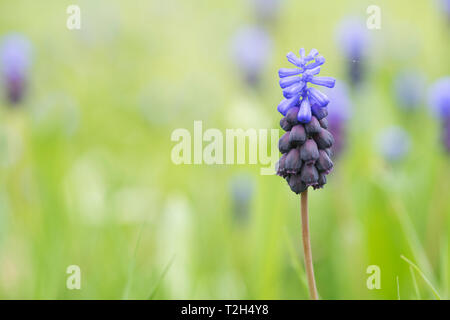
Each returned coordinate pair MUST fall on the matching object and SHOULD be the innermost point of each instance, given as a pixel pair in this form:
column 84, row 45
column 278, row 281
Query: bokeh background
column 86, row 176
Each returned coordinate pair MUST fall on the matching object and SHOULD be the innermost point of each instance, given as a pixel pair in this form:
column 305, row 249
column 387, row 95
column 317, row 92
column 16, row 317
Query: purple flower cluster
column 306, row 145
column 439, row 101
column 15, row 56
column 294, row 83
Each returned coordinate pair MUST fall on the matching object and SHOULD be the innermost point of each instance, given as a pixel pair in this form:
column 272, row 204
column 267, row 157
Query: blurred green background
column 86, row 176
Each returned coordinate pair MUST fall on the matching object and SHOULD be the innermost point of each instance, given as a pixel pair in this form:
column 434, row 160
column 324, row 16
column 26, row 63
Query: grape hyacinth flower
column 408, row 88
column 306, row 144
column 15, row 56
column 439, row 101
column 352, row 39
column 251, row 51
column 339, row 111
column 394, row 144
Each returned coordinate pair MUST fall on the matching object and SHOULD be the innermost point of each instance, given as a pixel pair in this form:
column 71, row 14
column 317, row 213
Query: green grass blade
column 296, row 263
column 161, row 277
column 416, row 268
column 126, row 291
column 416, row 286
column 398, row 289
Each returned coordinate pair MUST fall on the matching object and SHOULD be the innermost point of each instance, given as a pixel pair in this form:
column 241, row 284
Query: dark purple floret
column 291, row 116
column 297, row 136
column 283, row 143
column 296, row 184
column 313, row 126
column 293, row 162
column 285, row 125
column 310, row 175
column 324, row 139
column 309, row 152
column 322, row 181
column 281, row 167
column 324, row 163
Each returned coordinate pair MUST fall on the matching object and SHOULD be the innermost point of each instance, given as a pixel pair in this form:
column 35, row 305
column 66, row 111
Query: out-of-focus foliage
column 86, row 176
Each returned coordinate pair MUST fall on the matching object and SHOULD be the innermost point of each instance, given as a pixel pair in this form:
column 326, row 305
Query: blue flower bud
column 304, row 114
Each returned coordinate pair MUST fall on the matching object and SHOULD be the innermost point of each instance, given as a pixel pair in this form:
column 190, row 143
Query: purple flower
column 409, row 89
column 394, row 144
column 352, row 39
column 439, row 101
column 251, row 51
column 439, row 97
column 339, row 111
column 294, row 83
column 15, row 60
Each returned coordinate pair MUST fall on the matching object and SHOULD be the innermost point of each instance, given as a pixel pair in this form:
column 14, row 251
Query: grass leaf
column 416, row 268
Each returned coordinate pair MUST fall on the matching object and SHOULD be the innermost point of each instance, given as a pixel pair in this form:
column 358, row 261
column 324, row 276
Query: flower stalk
column 307, row 246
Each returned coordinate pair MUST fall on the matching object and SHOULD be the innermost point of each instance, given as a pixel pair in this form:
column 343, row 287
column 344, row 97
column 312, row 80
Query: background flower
column 394, row 143
column 409, row 87
column 251, row 50
column 15, row 57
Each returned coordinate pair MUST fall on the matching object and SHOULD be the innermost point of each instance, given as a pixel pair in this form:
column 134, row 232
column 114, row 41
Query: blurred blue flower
column 242, row 189
column 352, row 39
column 251, row 50
column 339, row 111
column 266, row 10
column 446, row 134
column 445, row 6
column 394, row 144
column 295, row 90
column 409, row 89
column 439, row 97
column 15, row 59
